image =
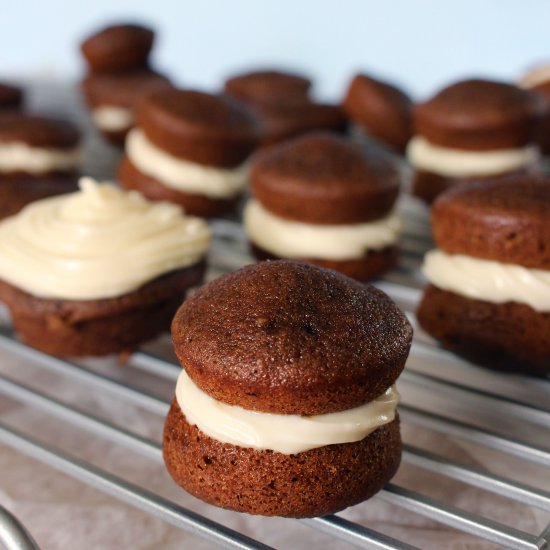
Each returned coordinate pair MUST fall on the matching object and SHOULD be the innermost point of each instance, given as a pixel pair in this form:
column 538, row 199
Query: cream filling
column 457, row 163
column 488, row 280
column 283, row 433
column 111, row 118
column 291, row 239
column 183, row 175
column 538, row 75
column 18, row 156
column 99, row 242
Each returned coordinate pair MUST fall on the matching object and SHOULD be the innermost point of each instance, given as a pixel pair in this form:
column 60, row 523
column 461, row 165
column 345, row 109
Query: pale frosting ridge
column 536, row 76
column 488, row 280
column 293, row 239
column 99, row 242
column 112, row 118
column 283, row 433
column 458, row 163
column 21, row 157
column 181, row 174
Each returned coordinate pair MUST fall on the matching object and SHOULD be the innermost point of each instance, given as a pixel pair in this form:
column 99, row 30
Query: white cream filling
column 488, row 280
column 292, row 239
column 99, row 242
column 111, row 118
column 283, row 433
column 456, row 163
column 536, row 76
column 18, row 156
column 183, row 175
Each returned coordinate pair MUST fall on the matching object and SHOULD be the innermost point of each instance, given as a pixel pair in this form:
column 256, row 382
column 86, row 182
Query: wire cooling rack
column 503, row 418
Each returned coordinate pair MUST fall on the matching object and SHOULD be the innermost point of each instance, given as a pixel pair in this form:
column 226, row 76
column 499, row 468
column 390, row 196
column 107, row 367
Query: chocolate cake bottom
column 313, row 483
column 76, row 328
column 197, row 205
column 508, row 336
column 428, row 186
column 373, row 264
column 18, row 191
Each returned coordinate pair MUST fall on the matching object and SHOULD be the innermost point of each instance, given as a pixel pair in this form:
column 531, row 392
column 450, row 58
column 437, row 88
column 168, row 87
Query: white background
column 421, row 44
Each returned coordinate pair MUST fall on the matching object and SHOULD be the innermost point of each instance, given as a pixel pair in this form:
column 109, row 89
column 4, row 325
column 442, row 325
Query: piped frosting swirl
column 99, row 242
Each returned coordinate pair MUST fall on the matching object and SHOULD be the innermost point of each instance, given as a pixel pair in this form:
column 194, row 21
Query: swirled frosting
column 99, row 242
column 284, row 433
column 292, row 239
column 488, row 280
column 457, row 163
column 181, row 174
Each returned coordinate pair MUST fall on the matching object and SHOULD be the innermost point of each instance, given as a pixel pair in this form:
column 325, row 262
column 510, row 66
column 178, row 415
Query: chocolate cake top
column 290, row 338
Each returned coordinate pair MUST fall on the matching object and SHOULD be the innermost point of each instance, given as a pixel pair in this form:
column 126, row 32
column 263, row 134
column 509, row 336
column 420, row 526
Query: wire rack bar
column 476, row 477
column 506, row 405
column 477, row 435
column 13, row 535
column 337, row 527
column 128, row 492
column 469, row 523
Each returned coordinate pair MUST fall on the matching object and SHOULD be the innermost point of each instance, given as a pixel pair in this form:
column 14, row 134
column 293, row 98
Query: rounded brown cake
column 322, row 178
column 369, row 266
column 125, row 90
column 381, row 109
column 191, row 148
column 473, row 129
column 198, row 205
column 105, row 270
column 289, row 339
column 429, row 186
column 203, row 128
column 16, row 192
column 118, row 48
column 11, row 97
column 267, row 86
column 47, row 161
column 313, row 483
column 537, row 80
column 542, row 135
column 318, row 189
column 122, row 89
column 38, row 131
column 478, row 115
column 76, row 328
column 297, row 115
column 505, row 222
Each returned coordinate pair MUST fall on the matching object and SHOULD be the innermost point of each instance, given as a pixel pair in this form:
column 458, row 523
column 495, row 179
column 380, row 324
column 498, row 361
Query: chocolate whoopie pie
column 382, row 110
column 119, row 77
column 295, row 116
column 113, row 99
column 118, row 48
column 326, row 200
column 103, row 274
column 278, row 358
column 191, row 148
column 39, row 157
column 267, row 86
column 489, row 292
column 473, row 129
column 283, row 105
column 538, row 82
column 11, row 97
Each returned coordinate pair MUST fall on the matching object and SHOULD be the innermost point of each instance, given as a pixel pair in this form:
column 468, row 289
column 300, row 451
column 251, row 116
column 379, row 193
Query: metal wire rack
column 506, row 415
